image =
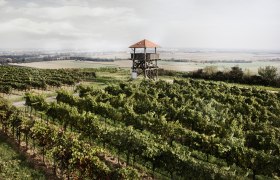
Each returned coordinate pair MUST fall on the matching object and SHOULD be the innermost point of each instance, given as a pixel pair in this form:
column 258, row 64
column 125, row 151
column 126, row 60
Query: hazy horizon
column 128, row 50
column 113, row 25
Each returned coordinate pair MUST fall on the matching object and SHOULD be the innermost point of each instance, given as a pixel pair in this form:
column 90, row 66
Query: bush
column 210, row 70
column 127, row 173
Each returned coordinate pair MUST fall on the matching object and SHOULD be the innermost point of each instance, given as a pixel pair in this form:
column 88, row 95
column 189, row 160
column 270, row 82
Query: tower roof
column 144, row 44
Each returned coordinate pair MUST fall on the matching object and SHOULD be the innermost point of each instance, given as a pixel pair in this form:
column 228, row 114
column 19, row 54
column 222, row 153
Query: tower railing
column 141, row 56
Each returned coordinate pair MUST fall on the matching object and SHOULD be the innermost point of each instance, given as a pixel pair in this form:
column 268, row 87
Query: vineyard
column 13, row 165
column 19, row 78
column 188, row 129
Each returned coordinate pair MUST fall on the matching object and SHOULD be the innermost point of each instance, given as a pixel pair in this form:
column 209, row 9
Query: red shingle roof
column 144, row 44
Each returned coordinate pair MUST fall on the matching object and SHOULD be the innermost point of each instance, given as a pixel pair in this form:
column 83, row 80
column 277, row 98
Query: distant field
column 65, row 64
column 169, row 65
column 190, row 66
column 196, row 55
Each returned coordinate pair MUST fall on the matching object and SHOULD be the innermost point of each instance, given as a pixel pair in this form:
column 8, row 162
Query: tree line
column 267, row 76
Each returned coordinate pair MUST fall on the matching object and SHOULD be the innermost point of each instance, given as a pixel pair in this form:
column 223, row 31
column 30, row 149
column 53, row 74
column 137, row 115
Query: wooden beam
column 145, row 66
column 133, row 60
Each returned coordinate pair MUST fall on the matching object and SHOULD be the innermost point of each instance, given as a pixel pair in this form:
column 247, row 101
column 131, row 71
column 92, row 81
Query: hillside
column 181, row 130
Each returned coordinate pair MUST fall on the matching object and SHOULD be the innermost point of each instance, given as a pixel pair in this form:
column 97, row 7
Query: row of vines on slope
column 147, row 147
column 22, row 78
column 189, row 124
column 73, row 156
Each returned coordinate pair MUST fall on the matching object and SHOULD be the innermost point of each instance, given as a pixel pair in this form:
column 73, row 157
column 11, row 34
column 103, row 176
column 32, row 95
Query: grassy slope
column 13, row 165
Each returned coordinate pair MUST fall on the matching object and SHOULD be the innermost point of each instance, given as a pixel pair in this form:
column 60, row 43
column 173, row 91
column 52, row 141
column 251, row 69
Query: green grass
column 105, row 78
column 14, row 165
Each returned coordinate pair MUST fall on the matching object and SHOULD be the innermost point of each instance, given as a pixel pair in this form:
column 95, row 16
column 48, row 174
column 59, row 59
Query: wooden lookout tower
column 144, row 61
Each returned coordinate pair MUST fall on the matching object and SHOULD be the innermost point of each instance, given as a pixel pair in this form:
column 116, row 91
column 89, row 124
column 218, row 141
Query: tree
column 235, row 74
column 268, row 73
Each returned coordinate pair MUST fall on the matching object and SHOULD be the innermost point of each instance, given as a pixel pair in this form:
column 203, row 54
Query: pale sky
column 104, row 25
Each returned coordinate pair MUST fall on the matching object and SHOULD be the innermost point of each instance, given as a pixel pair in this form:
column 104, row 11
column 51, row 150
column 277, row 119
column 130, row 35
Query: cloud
column 78, row 25
column 67, row 12
column 32, row 5
column 42, row 29
column 118, row 23
column 3, row 3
